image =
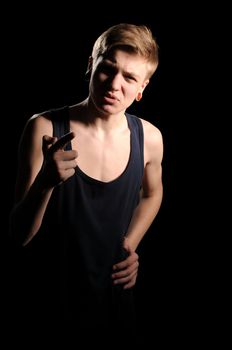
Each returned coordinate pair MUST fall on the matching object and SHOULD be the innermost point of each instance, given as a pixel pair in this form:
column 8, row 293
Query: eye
column 130, row 78
column 106, row 69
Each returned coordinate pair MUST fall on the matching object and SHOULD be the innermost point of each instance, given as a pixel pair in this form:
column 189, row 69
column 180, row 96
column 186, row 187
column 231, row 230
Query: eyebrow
column 113, row 64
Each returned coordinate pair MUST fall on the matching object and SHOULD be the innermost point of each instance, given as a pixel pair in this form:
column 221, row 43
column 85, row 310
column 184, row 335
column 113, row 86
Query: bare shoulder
column 151, row 132
column 39, row 124
column 31, row 140
column 153, row 141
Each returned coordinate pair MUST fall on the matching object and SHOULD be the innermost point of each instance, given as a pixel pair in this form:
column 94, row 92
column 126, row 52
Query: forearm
column 27, row 215
column 143, row 216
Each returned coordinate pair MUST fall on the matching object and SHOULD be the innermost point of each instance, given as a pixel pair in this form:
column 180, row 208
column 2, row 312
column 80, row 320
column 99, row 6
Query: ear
column 144, row 84
column 141, row 89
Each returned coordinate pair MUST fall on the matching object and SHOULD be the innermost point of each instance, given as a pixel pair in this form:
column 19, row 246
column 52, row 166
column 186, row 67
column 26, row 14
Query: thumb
column 47, row 142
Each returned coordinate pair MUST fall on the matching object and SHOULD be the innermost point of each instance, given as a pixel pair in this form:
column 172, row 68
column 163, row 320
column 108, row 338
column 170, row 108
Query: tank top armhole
column 141, row 141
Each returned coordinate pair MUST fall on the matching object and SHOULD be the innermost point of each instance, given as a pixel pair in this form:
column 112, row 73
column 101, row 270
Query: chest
column 103, row 157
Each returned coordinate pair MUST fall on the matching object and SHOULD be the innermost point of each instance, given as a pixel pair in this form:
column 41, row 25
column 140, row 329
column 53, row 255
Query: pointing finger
column 62, row 142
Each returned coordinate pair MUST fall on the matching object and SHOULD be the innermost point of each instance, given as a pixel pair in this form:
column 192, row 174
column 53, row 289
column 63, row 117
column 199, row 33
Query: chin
column 108, row 109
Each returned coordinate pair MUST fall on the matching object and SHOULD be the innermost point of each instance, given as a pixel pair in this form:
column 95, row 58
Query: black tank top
column 91, row 218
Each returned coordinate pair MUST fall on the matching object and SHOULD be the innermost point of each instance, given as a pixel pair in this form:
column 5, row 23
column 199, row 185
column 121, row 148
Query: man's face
column 116, row 80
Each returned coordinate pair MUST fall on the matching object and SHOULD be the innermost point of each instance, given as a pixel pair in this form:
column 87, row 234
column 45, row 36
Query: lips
column 111, row 95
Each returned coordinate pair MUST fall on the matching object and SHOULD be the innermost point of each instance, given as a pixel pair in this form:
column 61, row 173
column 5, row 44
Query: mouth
column 110, row 100
column 111, row 96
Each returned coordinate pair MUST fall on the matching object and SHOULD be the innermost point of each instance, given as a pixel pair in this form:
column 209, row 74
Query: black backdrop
column 45, row 57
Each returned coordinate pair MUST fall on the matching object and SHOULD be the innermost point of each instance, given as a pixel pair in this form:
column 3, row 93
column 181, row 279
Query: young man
column 89, row 186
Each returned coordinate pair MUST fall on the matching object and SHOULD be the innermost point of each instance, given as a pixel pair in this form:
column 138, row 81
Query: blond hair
column 135, row 38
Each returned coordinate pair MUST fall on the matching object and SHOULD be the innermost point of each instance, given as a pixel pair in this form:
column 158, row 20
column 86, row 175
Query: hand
column 127, row 270
column 58, row 164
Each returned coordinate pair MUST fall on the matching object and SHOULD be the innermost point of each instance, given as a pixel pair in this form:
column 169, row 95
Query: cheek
column 100, row 77
column 94, row 82
column 131, row 92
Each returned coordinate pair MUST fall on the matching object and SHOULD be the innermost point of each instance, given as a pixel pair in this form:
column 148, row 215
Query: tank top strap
column 136, row 129
column 60, row 122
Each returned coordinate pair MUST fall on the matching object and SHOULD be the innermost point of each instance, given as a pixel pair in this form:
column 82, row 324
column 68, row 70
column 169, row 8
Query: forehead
column 127, row 61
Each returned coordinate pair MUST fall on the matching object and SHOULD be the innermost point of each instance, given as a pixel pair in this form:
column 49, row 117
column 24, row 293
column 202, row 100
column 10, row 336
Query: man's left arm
column 147, row 209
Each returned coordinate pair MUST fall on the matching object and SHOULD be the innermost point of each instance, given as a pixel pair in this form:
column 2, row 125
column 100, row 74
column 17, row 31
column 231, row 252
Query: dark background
column 45, row 58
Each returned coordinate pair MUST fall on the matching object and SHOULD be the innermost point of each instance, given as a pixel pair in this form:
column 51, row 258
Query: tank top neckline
column 105, row 183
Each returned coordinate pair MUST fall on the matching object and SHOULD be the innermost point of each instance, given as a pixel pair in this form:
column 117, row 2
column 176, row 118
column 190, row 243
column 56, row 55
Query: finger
column 66, row 156
column 127, row 262
column 63, row 141
column 128, row 271
column 69, row 172
column 126, row 279
column 121, row 265
column 70, row 164
column 130, row 284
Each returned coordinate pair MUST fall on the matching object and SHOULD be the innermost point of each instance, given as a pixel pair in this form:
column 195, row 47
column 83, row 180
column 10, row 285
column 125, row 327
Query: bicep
column 152, row 179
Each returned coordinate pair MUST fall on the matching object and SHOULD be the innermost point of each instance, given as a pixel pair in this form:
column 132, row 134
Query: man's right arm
column 42, row 164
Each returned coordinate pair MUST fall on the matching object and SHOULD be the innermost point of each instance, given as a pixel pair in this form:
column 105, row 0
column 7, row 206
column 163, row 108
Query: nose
column 115, row 82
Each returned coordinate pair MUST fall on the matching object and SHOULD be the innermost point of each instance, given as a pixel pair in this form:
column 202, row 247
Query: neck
column 87, row 113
